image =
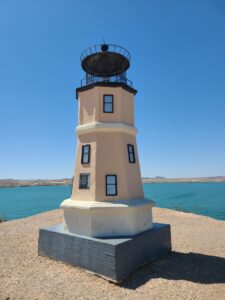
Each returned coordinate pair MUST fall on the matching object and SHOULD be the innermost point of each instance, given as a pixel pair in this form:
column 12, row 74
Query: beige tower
column 107, row 196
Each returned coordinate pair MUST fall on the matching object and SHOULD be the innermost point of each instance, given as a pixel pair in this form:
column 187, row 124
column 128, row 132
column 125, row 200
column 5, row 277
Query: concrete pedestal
column 107, row 218
column 112, row 258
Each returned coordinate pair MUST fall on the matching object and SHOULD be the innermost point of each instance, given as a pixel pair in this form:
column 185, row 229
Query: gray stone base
column 112, row 258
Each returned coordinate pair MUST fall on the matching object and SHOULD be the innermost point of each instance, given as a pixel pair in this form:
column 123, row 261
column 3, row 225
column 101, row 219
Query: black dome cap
column 105, row 60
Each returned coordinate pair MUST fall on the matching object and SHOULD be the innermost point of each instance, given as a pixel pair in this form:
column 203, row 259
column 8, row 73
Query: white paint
column 105, row 127
column 101, row 219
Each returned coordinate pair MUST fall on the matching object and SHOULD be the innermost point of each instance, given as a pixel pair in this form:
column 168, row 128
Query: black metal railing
column 111, row 48
column 90, row 79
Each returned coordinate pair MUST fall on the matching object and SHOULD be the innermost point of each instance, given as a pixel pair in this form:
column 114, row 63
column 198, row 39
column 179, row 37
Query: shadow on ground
column 195, row 267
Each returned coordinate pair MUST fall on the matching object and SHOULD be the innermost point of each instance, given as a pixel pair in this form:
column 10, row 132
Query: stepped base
column 111, row 258
column 107, row 218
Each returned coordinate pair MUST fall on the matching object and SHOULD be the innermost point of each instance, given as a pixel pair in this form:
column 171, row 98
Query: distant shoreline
column 183, row 180
column 35, row 182
column 68, row 181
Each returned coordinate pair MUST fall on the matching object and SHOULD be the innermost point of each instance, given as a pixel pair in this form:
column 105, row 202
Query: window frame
column 88, row 181
column 82, row 154
column 106, row 185
column 133, row 152
column 108, row 112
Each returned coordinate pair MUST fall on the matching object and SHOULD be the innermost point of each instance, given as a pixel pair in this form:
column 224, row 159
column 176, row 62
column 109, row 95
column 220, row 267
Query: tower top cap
column 104, row 47
column 105, row 60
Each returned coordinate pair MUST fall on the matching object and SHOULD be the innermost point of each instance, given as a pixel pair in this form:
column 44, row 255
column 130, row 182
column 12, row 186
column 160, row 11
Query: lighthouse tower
column 107, row 224
column 107, row 195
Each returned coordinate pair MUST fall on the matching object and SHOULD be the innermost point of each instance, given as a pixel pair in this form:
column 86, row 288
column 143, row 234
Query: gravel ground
column 195, row 269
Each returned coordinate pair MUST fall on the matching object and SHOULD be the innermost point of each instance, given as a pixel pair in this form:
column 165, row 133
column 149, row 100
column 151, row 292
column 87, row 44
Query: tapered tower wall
column 108, row 135
column 91, row 106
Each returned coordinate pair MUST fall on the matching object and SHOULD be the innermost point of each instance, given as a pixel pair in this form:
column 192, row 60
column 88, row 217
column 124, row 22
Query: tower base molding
column 107, row 219
column 111, row 258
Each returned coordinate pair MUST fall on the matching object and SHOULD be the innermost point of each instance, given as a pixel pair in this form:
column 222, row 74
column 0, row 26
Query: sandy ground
column 195, row 269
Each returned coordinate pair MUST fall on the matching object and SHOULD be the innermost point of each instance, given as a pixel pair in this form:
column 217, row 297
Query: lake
column 200, row 198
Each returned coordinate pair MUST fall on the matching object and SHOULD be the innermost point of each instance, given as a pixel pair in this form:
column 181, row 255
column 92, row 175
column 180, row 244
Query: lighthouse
column 107, row 195
column 107, row 223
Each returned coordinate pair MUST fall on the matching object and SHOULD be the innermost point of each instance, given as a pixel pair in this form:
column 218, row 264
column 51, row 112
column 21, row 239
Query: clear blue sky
column 178, row 68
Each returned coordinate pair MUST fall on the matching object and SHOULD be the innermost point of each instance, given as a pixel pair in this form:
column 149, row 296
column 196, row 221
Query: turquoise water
column 200, row 198
column 20, row 202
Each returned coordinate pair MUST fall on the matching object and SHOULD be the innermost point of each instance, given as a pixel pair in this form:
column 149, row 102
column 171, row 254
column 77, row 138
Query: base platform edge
column 113, row 259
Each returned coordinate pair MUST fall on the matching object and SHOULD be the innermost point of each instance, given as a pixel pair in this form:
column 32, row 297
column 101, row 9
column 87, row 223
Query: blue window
column 84, row 181
column 108, row 103
column 85, row 156
column 131, row 154
column 111, row 185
